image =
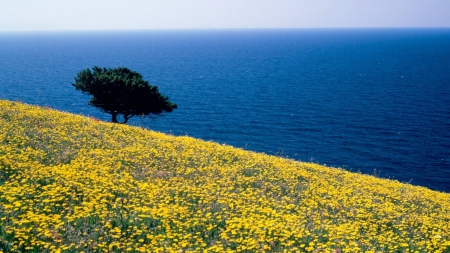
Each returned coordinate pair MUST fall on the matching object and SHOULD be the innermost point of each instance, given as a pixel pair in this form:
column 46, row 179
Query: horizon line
column 223, row 29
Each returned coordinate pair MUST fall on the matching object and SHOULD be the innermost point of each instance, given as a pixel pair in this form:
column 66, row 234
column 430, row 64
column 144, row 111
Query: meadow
column 70, row 183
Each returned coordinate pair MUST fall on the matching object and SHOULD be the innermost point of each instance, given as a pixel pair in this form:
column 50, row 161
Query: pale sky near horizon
column 24, row 15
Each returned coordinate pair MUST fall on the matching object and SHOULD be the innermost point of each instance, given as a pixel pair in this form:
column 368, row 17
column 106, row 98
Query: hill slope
column 73, row 184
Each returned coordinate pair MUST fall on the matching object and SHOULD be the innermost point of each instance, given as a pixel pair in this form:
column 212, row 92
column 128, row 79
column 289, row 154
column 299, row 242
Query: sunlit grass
column 70, row 183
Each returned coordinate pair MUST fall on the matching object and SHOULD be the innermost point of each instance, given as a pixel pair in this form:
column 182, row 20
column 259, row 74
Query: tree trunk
column 114, row 117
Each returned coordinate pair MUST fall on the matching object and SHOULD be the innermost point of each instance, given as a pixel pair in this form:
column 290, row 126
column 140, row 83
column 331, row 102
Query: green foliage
column 122, row 91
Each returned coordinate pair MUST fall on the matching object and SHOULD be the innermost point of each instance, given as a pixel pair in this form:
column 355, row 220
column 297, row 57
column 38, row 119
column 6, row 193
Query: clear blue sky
column 217, row 14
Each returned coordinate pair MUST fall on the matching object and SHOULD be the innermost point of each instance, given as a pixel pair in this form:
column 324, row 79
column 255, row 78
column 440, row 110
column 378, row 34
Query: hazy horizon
column 83, row 15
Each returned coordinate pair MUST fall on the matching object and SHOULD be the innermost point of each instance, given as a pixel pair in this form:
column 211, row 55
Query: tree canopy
column 122, row 91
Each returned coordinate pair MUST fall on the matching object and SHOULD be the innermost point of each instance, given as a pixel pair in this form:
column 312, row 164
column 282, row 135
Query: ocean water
column 374, row 101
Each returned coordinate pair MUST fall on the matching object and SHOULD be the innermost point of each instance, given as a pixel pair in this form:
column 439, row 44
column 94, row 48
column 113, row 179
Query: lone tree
column 122, row 91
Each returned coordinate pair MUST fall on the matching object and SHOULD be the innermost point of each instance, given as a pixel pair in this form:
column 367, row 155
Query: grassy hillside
column 74, row 184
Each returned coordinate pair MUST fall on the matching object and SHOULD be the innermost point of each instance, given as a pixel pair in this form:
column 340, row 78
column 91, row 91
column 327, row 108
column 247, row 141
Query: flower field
column 74, row 184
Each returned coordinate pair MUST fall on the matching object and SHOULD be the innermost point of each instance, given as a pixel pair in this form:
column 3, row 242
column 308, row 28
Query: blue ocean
column 373, row 101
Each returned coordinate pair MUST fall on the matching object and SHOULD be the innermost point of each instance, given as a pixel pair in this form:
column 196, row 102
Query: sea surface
column 374, row 101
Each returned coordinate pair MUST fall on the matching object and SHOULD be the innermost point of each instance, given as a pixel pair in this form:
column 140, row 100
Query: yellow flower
column 70, row 183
